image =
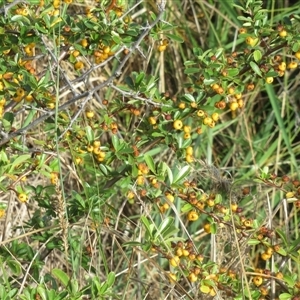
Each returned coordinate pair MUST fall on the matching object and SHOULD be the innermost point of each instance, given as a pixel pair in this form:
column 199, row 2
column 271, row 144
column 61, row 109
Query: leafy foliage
column 139, row 146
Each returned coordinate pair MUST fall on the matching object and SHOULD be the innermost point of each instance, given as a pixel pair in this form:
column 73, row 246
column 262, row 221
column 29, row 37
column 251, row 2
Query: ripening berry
column 177, row 124
column 170, row 197
column 162, row 48
column 140, row 180
column 75, row 53
column 215, row 116
column 53, row 178
column 265, row 256
column 238, row 96
column 181, row 105
column 22, row 197
column 193, row 104
column 84, row 43
column 78, row 65
column 283, row 33
column 192, row 216
column 242, row 30
column 234, row 207
column 282, row 66
column 187, row 129
column 240, row 103
column 152, row 120
column 233, row 106
column 230, row 90
column 179, row 252
column 269, row 80
column 200, row 113
column 189, row 158
column 207, row 228
column 174, row 261
column 192, row 277
column 251, row 41
column 257, row 280
column 172, row 277
column 187, row 136
column 289, row 195
column 292, row 65
column 297, row 55
column 96, row 144
column 189, row 150
column 89, row 114
column 207, row 121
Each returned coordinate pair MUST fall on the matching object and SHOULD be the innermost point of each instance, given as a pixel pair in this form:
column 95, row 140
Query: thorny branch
column 87, row 94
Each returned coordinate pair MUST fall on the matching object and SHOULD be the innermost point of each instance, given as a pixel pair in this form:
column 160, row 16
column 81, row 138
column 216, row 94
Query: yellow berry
column 170, row 197
column 207, row 228
column 130, row 195
column 189, row 158
column 177, row 124
column 22, row 197
column 187, row 135
column 89, row 114
column 282, row 66
column 84, row 43
column 297, row 55
column 200, row 113
column 96, row 144
column 289, row 195
column 257, row 280
column 269, row 80
column 192, row 277
column 181, row 105
column 189, row 150
column 251, row 41
column 78, row 65
column 174, row 261
column 265, row 256
column 152, row 120
column 140, row 180
column 207, row 121
column 162, row 48
column 75, row 53
column 192, row 216
column 172, row 277
column 283, row 33
column 187, row 129
column 292, row 65
column 215, row 116
column 233, row 106
column 238, row 96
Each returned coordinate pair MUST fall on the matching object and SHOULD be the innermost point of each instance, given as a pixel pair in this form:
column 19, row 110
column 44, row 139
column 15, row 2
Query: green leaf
column 174, row 37
column 282, row 236
column 285, row 296
column 111, row 279
column 257, row 55
column 255, row 68
column 19, row 160
column 233, row 72
column 253, row 242
column 14, row 267
column 150, row 163
column 189, row 97
column 61, row 276
column 147, row 224
column 191, row 71
column 183, row 173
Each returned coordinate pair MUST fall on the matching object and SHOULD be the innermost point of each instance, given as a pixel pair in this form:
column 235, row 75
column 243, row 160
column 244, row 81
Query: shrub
column 119, row 124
